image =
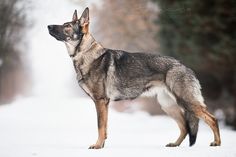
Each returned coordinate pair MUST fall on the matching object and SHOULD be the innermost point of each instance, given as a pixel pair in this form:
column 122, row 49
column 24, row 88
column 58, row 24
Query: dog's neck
column 84, row 53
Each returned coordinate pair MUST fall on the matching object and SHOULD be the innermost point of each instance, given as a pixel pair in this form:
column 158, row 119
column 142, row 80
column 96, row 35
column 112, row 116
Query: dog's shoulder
column 103, row 62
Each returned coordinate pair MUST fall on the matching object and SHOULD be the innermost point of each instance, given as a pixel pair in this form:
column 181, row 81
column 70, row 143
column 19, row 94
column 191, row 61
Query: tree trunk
column 1, row 91
column 234, row 93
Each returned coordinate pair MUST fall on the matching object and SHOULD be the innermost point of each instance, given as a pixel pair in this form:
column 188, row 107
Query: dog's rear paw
column 215, row 143
column 172, row 145
column 95, row 146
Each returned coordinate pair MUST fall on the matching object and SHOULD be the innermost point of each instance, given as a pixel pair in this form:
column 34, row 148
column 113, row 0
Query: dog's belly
column 165, row 98
column 113, row 93
column 156, row 89
column 116, row 94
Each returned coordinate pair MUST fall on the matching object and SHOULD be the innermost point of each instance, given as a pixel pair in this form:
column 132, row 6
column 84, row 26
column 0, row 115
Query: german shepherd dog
column 113, row 75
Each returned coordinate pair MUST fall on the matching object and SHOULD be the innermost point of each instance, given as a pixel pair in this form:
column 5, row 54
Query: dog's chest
column 81, row 66
column 86, row 88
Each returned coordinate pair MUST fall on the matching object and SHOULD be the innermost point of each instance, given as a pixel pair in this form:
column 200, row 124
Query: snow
column 54, row 122
column 66, row 127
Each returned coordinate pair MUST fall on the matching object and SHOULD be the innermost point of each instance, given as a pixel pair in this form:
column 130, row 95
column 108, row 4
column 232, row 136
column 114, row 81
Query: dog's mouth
column 56, row 36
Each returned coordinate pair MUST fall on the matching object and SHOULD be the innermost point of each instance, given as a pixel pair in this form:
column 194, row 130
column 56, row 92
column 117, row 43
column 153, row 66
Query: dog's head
column 71, row 32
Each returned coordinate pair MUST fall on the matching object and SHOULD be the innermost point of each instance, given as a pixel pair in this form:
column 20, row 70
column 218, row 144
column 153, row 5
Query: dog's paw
column 172, row 145
column 95, row 146
column 215, row 144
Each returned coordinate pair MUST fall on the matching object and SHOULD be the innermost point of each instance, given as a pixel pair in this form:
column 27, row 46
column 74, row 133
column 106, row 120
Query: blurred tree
column 202, row 34
column 12, row 23
column 127, row 25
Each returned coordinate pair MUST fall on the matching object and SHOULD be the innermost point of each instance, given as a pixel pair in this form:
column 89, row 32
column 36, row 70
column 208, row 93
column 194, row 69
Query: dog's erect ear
column 75, row 17
column 84, row 19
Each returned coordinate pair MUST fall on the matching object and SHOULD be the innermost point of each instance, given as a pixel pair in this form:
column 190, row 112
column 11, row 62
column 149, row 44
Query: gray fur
column 106, row 74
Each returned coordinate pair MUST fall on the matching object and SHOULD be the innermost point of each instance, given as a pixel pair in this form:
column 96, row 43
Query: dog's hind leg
column 186, row 88
column 102, row 116
column 169, row 105
column 201, row 111
column 176, row 113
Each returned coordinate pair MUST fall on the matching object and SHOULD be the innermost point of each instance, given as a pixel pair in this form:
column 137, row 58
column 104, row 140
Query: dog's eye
column 67, row 26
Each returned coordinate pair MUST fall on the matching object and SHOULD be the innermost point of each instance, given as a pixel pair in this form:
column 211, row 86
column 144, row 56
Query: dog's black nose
column 50, row 27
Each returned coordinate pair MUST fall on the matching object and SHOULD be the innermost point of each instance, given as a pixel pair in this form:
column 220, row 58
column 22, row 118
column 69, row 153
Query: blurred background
column 201, row 34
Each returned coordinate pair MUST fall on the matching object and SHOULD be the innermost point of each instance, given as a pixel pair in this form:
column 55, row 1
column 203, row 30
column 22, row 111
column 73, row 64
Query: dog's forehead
column 71, row 23
column 68, row 23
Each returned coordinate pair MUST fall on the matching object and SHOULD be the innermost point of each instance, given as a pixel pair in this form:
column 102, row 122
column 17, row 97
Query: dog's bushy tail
column 192, row 126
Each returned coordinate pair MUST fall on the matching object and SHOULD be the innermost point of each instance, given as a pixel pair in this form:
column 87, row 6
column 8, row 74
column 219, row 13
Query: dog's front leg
column 102, row 114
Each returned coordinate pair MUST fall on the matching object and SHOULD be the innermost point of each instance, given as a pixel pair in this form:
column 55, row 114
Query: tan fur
column 102, row 115
column 177, row 114
column 210, row 120
column 89, row 51
column 85, row 28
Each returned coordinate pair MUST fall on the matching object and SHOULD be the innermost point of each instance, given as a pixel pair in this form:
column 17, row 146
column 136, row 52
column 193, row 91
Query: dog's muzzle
column 50, row 27
column 53, row 31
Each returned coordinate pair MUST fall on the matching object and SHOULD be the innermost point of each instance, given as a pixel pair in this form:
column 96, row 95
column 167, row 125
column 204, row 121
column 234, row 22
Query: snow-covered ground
column 66, row 127
column 55, row 123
